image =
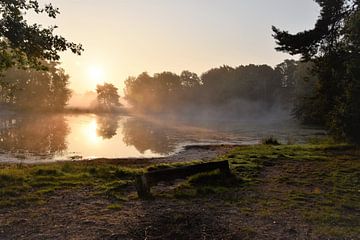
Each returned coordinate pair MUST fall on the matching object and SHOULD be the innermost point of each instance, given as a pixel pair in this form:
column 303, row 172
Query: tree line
column 48, row 90
column 35, row 90
column 244, row 89
column 259, row 86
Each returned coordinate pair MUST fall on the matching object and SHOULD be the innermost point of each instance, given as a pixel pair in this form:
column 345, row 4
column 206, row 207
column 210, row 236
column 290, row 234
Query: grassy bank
column 318, row 183
column 23, row 184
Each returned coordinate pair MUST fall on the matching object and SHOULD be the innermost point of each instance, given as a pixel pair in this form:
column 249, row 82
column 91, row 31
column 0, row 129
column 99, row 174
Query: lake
column 51, row 137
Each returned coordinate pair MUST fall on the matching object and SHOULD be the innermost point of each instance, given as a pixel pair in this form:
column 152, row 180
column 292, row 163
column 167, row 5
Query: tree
column 107, row 96
column 306, row 106
column 214, row 85
column 35, row 90
column 287, row 70
column 189, row 79
column 154, row 94
column 167, row 89
column 333, row 45
column 139, row 91
column 27, row 45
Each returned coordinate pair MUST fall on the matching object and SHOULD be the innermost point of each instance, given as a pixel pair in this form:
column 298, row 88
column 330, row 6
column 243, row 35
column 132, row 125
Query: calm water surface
column 43, row 138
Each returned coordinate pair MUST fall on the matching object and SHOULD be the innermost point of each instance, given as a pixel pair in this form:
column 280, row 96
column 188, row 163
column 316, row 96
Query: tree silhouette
column 217, row 87
column 307, row 107
column 29, row 89
column 189, row 79
column 26, row 45
column 287, row 70
column 334, row 46
column 107, row 96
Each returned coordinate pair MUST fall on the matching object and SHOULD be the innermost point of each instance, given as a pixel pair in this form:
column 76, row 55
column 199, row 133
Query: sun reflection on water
column 90, row 132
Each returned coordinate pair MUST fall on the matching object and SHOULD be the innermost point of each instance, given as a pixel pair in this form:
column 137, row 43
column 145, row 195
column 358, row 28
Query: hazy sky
column 127, row 37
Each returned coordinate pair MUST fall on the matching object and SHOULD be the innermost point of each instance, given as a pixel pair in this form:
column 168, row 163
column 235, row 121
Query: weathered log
column 151, row 178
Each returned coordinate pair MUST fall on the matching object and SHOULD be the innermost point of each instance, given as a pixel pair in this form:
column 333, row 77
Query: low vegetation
column 270, row 141
column 318, row 183
column 23, row 184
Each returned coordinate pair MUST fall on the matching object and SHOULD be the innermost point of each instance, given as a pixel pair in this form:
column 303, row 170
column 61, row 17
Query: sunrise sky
column 127, row 37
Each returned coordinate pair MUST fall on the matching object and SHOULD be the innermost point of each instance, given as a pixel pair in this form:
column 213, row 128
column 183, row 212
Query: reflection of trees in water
column 43, row 134
column 107, row 125
column 144, row 136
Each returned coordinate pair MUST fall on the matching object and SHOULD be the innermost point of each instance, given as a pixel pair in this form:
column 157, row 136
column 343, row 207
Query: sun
column 96, row 75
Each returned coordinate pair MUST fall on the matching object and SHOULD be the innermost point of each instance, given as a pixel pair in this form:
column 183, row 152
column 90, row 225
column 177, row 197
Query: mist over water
column 44, row 137
column 158, row 116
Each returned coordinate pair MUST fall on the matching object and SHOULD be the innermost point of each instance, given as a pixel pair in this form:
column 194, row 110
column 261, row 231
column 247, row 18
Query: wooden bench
column 151, row 178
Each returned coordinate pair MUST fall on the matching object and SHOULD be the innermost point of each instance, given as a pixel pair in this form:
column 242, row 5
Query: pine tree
column 333, row 45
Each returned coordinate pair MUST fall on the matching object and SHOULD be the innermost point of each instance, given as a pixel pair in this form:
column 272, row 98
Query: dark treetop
column 25, row 45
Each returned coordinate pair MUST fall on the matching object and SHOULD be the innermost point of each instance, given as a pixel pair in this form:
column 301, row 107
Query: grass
column 22, row 184
column 115, row 207
column 318, row 182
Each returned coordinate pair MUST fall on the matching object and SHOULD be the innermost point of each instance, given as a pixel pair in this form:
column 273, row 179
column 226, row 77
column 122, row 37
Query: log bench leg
column 225, row 169
column 143, row 187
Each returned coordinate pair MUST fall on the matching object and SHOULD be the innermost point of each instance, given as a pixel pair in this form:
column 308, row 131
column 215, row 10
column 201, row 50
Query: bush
column 270, row 141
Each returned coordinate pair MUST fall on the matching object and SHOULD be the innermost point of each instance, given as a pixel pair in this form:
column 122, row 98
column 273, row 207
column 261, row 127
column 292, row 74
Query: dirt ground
column 83, row 215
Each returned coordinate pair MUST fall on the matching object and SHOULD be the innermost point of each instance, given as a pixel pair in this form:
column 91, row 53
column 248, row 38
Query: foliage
column 225, row 88
column 107, row 96
column 252, row 82
column 306, row 106
column 270, row 141
column 333, row 45
column 27, row 45
column 287, row 70
column 29, row 89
